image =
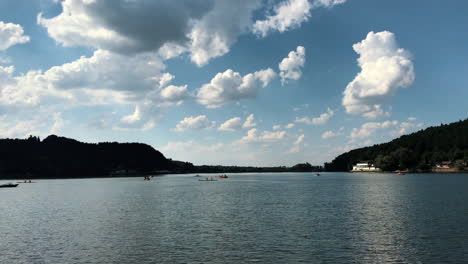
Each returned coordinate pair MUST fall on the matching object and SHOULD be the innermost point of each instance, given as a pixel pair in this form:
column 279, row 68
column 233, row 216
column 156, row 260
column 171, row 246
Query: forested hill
column 416, row 151
column 63, row 157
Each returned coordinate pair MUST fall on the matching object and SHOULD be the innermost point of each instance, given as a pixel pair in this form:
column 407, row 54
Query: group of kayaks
column 12, row 185
column 212, row 178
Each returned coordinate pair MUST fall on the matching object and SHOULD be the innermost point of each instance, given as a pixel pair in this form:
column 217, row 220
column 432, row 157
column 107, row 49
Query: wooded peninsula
column 419, row 152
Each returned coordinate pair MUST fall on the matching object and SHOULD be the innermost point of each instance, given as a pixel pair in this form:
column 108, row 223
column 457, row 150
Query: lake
column 248, row 218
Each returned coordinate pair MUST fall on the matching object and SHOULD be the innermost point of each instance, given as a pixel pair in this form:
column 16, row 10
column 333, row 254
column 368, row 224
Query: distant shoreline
column 19, row 178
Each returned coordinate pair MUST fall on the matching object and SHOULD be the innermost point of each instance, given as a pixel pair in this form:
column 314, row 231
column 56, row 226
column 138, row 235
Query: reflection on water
column 267, row 218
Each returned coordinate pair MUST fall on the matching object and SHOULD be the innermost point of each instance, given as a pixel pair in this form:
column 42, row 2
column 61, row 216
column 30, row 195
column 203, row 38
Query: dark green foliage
column 416, row 151
column 64, row 157
column 301, row 167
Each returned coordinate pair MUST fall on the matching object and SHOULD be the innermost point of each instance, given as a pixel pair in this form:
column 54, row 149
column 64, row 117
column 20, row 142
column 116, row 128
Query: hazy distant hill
column 63, row 157
column 418, row 151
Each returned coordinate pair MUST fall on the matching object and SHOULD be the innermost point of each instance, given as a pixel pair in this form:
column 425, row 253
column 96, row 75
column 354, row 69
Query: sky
column 248, row 82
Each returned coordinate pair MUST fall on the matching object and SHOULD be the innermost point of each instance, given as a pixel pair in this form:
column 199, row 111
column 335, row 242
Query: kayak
column 8, row 185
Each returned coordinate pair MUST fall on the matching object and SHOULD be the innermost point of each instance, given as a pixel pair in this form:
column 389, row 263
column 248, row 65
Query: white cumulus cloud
column 287, row 15
column 368, row 129
column 194, row 123
column 230, row 86
column 174, row 93
column 232, row 124
column 320, row 120
column 290, row 125
column 267, row 137
column 330, row 134
column 291, row 66
column 385, row 67
column 11, row 34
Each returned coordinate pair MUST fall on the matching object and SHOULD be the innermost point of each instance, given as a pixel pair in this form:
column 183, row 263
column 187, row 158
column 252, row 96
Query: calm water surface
column 258, row 218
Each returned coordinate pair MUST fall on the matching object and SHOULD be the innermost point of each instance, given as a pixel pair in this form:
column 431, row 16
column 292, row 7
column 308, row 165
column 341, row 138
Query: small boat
column 208, row 179
column 223, row 176
column 197, row 175
column 401, row 173
column 8, row 185
column 317, row 174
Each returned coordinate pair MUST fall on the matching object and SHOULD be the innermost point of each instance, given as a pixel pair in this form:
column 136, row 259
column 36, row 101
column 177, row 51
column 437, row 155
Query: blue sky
column 232, row 82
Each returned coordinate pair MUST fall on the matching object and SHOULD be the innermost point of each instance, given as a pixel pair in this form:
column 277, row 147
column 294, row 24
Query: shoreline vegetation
column 441, row 149
column 60, row 157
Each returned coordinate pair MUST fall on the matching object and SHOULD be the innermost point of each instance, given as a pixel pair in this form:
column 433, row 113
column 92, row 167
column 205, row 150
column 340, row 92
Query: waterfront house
column 445, row 166
column 365, row 166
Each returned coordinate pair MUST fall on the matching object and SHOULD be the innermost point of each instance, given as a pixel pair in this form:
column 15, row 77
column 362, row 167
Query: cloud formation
column 11, row 34
column 266, row 137
column 232, row 124
column 287, row 15
column 230, row 86
column 297, row 144
column 330, row 134
column 174, row 94
column 320, row 120
column 368, row 129
column 249, row 122
column 105, row 78
column 205, row 28
column 328, row 3
column 194, row 123
column 385, row 67
column 235, row 123
column 291, row 66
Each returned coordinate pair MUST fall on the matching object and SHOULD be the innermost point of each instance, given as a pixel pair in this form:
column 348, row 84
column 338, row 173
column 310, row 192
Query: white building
column 365, row 167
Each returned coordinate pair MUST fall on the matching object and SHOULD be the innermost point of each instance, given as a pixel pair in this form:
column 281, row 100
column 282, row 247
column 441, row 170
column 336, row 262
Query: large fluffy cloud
column 206, row 28
column 176, row 94
column 124, row 26
column 385, row 67
column 291, row 66
column 103, row 78
column 212, row 35
column 11, row 34
column 230, row 86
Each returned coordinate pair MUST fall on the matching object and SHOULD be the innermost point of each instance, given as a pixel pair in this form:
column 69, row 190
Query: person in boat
column 29, row 181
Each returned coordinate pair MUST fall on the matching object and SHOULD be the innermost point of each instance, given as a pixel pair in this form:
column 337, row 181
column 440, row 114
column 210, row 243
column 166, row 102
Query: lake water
column 258, row 218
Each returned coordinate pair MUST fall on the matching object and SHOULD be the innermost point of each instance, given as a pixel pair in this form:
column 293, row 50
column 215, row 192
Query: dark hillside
column 416, row 151
column 63, row 157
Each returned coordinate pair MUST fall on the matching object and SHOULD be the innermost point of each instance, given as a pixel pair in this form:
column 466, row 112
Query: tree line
column 419, row 151
column 64, row 157
column 61, row 157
